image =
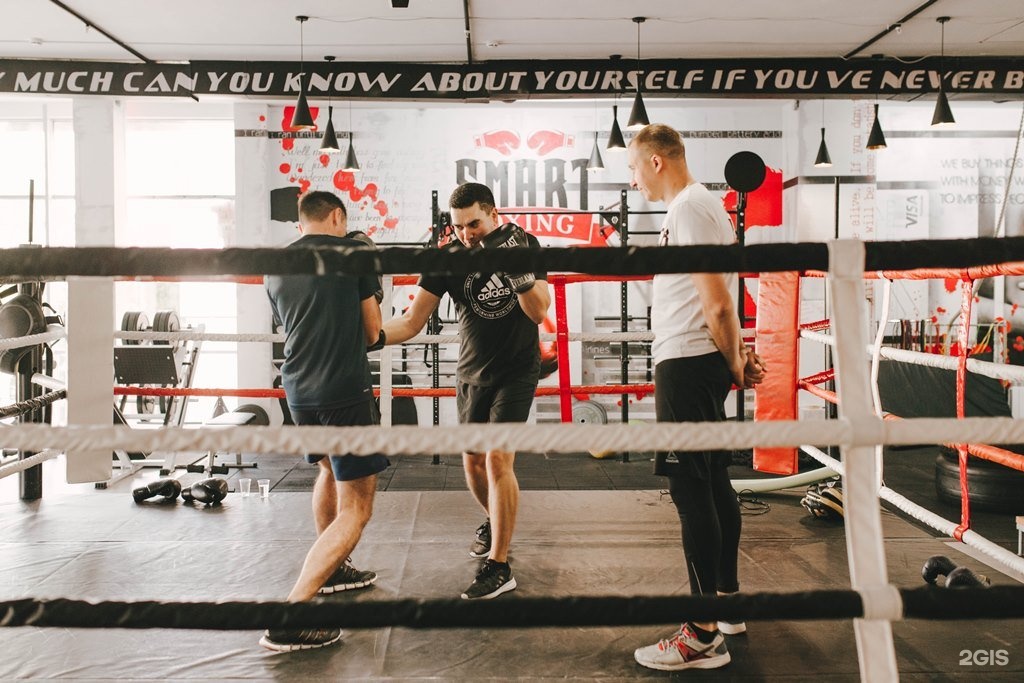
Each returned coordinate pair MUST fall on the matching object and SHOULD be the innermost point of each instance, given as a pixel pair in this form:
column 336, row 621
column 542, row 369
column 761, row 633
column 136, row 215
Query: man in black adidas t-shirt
column 329, row 320
column 499, row 364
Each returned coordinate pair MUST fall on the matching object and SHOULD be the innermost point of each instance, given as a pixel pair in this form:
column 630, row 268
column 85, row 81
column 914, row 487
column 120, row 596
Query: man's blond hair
column 665, row 141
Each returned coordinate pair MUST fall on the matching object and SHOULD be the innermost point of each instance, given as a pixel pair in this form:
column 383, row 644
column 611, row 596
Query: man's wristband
column 379, row 344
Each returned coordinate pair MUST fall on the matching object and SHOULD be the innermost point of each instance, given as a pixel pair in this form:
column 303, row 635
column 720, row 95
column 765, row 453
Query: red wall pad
column 778, row 344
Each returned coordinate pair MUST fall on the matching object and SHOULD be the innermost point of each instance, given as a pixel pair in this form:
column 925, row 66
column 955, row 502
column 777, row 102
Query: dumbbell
column 168, row 488
column 208, row 491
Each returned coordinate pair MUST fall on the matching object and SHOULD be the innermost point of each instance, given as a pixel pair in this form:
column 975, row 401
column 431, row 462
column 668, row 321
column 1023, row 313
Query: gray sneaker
column 482, row 544
column 290, row 640
column 684, row 651
column 346, row 577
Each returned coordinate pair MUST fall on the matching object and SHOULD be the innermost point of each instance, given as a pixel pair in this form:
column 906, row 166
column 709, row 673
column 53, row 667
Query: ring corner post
column 864, row 541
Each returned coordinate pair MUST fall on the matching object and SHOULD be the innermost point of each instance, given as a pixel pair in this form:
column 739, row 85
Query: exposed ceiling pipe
column 889, row 29
column 90, row 24
column 469, row 39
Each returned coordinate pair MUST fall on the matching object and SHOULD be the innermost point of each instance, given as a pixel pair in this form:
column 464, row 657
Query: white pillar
column 99, row 205
column 252, row 229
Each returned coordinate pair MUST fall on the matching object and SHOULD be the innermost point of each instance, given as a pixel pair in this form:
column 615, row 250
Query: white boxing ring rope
column 31, row 461
column 1001, row 371
column 32, row 339
column 552, row 438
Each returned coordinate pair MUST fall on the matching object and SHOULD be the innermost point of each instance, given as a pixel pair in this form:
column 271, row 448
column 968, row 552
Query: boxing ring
column 872, row 602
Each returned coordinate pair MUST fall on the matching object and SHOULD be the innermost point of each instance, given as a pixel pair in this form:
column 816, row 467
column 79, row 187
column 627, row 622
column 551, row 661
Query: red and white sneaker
column 684, row 651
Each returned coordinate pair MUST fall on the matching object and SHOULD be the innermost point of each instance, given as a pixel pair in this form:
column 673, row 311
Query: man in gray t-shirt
column 499, row 363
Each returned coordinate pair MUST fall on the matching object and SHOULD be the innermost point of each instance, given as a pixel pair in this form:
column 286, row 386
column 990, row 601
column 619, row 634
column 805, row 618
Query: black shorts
column 345, row 467
column 691, row 389
column 509, row 401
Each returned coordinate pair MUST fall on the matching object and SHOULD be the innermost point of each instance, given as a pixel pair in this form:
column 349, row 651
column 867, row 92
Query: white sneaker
column 732, row 628
column 684, row 651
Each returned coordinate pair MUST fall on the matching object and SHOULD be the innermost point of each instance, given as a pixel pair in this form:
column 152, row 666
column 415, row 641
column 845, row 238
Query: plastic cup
column 245, row 487
column 264, row 485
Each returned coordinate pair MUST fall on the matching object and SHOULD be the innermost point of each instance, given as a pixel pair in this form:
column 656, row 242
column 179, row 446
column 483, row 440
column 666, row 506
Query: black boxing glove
column 962, row 577
column 936, row 566
column 365, row 239
column 510, row 236
column 207, row 491
column 168, row 488
column 382, row 339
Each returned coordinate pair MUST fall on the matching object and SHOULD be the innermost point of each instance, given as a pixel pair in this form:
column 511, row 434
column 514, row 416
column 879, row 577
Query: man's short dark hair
column 468, row 194
column 317, row 205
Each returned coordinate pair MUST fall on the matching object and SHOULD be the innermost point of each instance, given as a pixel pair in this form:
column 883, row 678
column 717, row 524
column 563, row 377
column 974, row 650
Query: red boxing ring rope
column 639, row 390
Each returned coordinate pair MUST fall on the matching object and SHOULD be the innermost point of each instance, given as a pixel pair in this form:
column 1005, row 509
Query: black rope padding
column 1000, row 602
column 56, row 262
column 30, row 404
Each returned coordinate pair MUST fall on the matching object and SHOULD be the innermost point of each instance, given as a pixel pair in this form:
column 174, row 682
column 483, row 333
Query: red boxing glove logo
column 544, row 141
column 503, row 141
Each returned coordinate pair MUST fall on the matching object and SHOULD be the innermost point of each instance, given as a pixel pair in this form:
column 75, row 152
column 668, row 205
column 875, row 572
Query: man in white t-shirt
column 698, row 355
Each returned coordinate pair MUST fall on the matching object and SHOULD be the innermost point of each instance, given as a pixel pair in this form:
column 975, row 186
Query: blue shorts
column 345, row 467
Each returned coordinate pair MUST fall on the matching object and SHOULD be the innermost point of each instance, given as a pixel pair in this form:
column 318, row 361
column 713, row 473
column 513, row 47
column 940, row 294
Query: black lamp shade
column 330, row 142
column 615, row 139
column 876, row 140
column 943, row 115
column 595, row 163
column 351, row 163
column 638, row 115
column 302, row 119
column 823, row 160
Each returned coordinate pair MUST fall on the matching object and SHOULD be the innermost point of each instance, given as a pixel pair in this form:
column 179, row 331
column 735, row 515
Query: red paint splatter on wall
column 371, row 191
column 381, row 208
column 325, row 159
column 262, row 117
column 285, row 168
column 764, row 205
column 391, row 223
column 344, row 180
column 287, row 144
column 951, row 283
column 303, row 185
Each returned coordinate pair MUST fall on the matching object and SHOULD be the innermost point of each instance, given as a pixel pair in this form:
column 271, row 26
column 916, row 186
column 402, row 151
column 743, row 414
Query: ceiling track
column 469, row 39
column 889, row 29
column 106, row 34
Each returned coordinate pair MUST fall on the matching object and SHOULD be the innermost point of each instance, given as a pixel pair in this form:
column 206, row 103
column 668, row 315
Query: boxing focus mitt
column 510, row 236
column 365, row 239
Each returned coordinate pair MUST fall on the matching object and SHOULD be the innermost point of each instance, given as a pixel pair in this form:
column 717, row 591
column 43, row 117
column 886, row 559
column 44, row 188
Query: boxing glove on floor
column 167, row 488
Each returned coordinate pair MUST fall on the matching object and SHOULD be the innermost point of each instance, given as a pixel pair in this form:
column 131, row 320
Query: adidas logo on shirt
column 493, row 289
